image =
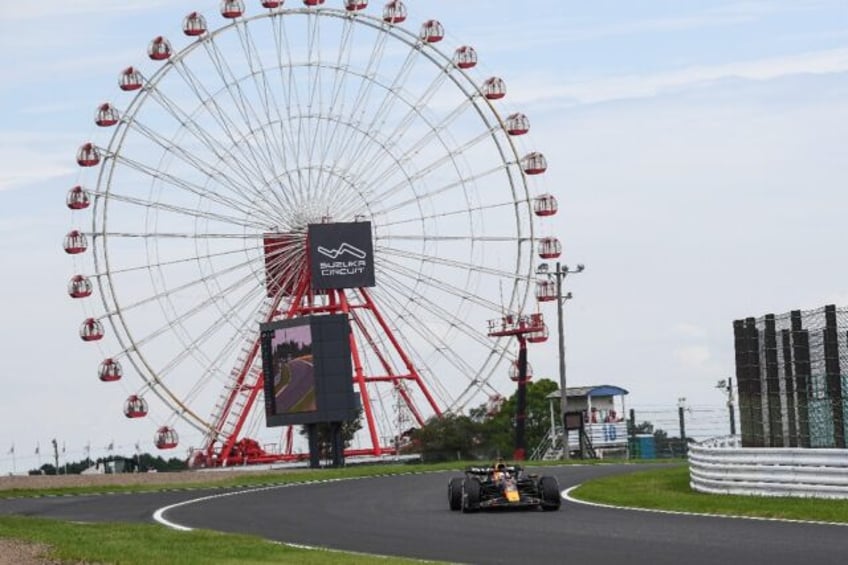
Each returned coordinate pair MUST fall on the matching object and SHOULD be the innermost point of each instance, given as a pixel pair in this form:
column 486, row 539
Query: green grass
column 147, row 543
column 668, row 489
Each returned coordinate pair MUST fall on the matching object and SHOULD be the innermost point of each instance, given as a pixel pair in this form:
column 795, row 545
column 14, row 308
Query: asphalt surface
column 302, row 382
column 409, row 516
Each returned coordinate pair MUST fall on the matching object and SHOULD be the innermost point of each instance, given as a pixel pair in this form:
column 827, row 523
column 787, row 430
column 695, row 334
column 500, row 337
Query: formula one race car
column 502, row 486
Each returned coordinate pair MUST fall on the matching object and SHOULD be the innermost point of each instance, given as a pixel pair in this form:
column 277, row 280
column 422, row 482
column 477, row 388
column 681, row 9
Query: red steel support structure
column 290, row 285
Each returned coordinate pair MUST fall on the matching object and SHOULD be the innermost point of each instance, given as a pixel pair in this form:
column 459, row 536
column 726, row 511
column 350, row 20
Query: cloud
column 689, row 330
column 692, row 356
column 570, row 28
column 57, row 9
column 30, row 157
column 644, row 85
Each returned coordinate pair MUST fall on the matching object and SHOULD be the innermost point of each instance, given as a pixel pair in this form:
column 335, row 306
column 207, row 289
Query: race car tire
column 550, row 493
column 455, row 493
column 470, row 496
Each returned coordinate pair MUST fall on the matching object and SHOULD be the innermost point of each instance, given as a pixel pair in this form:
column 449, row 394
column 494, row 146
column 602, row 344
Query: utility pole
column 681, row 408
column 558, row 274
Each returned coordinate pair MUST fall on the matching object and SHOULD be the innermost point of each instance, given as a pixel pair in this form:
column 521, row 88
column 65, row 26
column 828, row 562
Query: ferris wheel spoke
column 389, row 99
column 286, row 75
column 443, row 348
column 459, row 265
column 330, row 199
column 267, row 98
column 219, row 177
column 434, row 134
column 244, row 107
column 159, row 383
column 436, row 190
column 468, row 100
column 422, row 101
column 180, row 210
column 189, row 285
column 368, row 162
column 213, row 365
column 433, row 306
column 183, row 316
column 449, row 158
column 336, row 106
column 180, row 235
column 206, row 138
column 440, row 284
column 159, row 264
column 367, row 159
column 222, row 118
column 428, row 168
column 343, row 144
column 190, row 187
column 468, row 103
column 313, row 42
column 447, row 214
column 459, row 237
column 339, row 198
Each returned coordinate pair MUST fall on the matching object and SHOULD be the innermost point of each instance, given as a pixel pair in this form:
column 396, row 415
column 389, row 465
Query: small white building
column 603, row 409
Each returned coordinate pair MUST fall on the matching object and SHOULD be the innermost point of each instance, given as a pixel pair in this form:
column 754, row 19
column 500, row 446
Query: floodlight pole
column 728, row 388
column 559, row 274
column 520, row 327
column 521, row 402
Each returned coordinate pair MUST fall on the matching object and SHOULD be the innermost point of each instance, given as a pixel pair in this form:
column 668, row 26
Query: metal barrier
column 721, row 466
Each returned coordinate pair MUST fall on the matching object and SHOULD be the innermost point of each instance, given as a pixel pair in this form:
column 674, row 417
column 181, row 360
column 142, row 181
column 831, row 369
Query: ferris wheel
column 224, row 150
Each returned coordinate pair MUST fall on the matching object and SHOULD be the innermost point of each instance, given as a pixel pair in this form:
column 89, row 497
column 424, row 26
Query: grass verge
column 213, row 480
column 143, row 544
column 668, row 489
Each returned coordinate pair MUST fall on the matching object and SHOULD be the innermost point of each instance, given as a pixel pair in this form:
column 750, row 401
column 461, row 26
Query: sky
column 697, row 150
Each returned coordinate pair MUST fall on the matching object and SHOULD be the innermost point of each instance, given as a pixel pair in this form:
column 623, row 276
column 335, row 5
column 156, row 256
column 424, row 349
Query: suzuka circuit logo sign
column 344, row 248
column 342, row 255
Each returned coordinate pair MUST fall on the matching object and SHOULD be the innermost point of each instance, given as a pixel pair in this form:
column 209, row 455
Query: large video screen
column 308, row 371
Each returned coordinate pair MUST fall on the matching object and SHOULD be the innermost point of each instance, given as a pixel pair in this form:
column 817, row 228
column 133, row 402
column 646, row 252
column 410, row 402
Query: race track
column 408, row 515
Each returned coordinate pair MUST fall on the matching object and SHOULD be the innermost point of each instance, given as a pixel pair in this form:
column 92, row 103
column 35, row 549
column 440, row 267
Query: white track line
column 566, row 494
column 159, row 515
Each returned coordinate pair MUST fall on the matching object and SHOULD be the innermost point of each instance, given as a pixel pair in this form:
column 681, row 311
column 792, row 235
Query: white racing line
column 159, row 515
column 566, row 495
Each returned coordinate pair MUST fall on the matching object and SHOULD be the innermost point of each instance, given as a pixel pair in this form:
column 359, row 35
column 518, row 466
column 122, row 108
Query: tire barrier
column 721, row 466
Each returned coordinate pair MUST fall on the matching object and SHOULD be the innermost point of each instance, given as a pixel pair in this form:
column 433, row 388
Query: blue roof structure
column 598, row 390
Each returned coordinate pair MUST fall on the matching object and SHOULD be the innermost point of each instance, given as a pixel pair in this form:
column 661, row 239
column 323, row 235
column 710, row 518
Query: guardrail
column 721, row 466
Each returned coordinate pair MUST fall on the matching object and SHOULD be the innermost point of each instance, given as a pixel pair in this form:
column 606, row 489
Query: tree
column 643, row 428
column 446, row 438
column 498, row 430
column 142, row 462
column 483, row 434
column 325, row 437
